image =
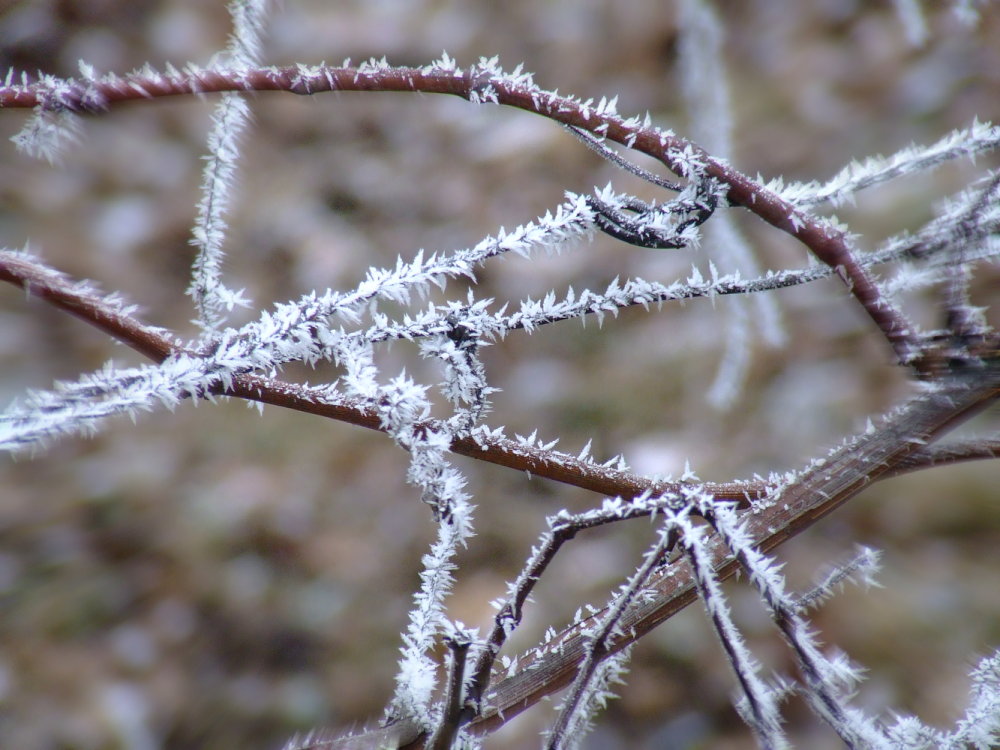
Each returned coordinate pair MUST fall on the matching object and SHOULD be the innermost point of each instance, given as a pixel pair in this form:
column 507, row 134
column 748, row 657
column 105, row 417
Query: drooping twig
column 574, row 708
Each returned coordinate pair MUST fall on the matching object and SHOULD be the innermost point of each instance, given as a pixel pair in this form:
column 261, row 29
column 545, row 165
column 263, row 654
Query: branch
column 947, row 454
column 486, row 82
column 821, row 488
column 82, row 300
column 110, row 316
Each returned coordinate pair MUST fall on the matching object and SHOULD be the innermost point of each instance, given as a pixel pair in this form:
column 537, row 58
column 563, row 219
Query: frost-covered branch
column 830, row 680
column 213, row 298
column 707, row 530
column 795, row 501
column 970, row 142
column 487, row 83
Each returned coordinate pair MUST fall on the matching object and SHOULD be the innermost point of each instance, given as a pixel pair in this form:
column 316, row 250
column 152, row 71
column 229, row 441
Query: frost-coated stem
column 211, row 297
column 762, row 712
column 508, row 616
column 232, row 114
column 961, row 318
column 829, row 681
column 458, row 645
column 589, row 685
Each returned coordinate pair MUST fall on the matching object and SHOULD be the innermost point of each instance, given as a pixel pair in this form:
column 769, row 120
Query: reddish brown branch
column 488, row 84
column 83, row 302
column 948, row 453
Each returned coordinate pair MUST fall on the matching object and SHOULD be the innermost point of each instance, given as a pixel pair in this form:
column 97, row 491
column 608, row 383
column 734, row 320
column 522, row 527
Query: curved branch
column 81, row 300
column 486, row 82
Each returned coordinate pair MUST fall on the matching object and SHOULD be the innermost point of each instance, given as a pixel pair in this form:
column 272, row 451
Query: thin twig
column 447, row 729
column 598, row 640
column 959, row 313
column 595, row 145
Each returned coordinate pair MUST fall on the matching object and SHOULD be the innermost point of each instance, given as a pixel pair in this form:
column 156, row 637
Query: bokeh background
column 212, row 578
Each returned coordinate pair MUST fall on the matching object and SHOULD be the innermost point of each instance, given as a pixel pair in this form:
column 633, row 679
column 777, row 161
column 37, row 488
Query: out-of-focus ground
column 210, row 578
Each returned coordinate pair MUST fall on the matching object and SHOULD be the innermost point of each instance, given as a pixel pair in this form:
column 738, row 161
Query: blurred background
column 210, row 578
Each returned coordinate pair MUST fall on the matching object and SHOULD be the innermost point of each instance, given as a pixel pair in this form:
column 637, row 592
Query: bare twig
column 447, row 729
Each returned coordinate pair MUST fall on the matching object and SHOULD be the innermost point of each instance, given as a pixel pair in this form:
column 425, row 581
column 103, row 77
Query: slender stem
column 598, row 641
column 444, row 736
